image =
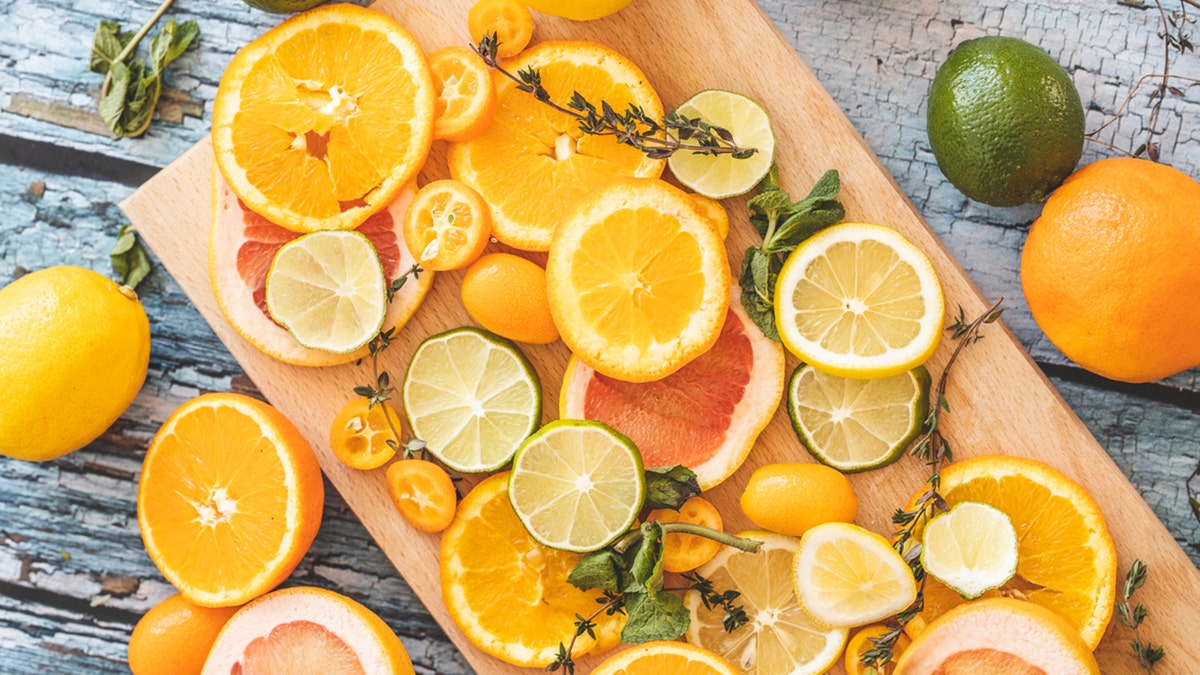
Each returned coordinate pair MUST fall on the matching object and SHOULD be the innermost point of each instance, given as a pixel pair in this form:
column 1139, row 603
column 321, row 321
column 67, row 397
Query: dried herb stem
column 634, row 537
column 1132, row 616
column 610, row 603
column 137, row 37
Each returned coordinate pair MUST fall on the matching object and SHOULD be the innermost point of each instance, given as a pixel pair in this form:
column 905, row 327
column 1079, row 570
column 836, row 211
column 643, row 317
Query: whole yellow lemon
column 578, row 10
column 74, row 348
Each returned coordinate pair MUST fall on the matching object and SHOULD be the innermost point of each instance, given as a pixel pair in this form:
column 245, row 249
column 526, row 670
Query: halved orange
column 665, row 658
column 447, row 226
column 638, row 280
column 229, row 499
column 466, row 99
column 320, row 122
column 534, row 164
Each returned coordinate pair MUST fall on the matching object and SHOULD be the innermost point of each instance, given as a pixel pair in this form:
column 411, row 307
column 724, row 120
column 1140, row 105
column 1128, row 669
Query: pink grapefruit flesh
column 295, row 647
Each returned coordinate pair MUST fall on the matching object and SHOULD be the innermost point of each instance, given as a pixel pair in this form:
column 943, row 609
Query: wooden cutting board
column 1002, row 403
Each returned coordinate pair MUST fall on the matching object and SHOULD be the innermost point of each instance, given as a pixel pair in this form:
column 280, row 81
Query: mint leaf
column 113, row 104
column 129, row 259
column 803, row 224
column 827, row 188
column 761, row 312
column 604, row 569
column 670, row 487
column 107, row 46
column 661, row 616
column 171, row 42
column 756, row 282
column 646, row 567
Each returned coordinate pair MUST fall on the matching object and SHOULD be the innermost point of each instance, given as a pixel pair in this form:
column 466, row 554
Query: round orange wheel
column 466, row 99
column 448, row 225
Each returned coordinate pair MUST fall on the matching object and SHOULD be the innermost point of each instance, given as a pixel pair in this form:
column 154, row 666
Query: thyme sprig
column 1132, row 617
column 735, row 615
column 610, row 603
column 656, row 138
column 934, row 450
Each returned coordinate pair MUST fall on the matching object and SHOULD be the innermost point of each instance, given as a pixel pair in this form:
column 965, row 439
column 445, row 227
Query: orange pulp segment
column 466, row 100
column 320, row 122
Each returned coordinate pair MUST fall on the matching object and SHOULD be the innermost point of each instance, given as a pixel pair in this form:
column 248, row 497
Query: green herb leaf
column 113, row 104
column 646, row 568
column 755, row 281
column 604, row 569
column 803, row 224
column 171, row 42
column 129, row 259
column 107, row 46
column 827, row 188
column 661, row 616
column 769, row 199
column 670, row 487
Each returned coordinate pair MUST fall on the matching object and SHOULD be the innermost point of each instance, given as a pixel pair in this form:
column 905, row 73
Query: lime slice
column 472, row 397
column 856, row 425
column 577, row 485
column 721, row 176
column 328, row 290
column 849, row 576
column 858, row 300
column 972, row 549
column 780, row 638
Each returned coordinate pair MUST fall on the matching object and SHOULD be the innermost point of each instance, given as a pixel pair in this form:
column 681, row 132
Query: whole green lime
column 1005, row 121
column 283, row 6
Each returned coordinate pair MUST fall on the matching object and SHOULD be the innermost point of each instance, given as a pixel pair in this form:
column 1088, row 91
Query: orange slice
column 229, row 500
column 665, row 658
column 510, row 20
column 360, row 433
column 447, row 226
column 242, row 245
column 638, row 280
column 307, row 630
column 321, row 122
column 1066, row 559
column 508, row 593
column 533, row 164
column 466, row 100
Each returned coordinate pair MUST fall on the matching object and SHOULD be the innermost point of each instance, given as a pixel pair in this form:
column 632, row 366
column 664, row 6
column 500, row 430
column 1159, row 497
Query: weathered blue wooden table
column 74, row 577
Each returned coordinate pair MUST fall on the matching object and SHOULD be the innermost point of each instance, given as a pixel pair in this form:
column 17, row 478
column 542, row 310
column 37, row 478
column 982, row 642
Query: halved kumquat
column 423, row 493
column 510, row 20
column 466, row 99
column 360, row 432
column 686, row 552
column 448, row 225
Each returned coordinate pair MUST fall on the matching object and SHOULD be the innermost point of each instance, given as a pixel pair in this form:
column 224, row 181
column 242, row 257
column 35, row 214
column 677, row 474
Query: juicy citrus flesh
column 665, row 658
column 972, row 549
column 359, row 434
column 175, row 637
column 423, row 493
column 533, row 165
column 76, row 349
column 510, row 20
column 321, row 121
column 1066, row 558
column 328, row 289
column 998, row 636
column 638, row 281
column 447, row 226
column 492, row 570
column 466, row 100
column 856, row 425
column 472, row 397
column 859, row 300
column 229, row 499
column 792, row 497
column 578, row 10
column 723, row 176
column 860, row 643
column 1115, row 219
column 848, row 576
column 577, row 485
column 706, row 415
column 780, row 639
column 686, row 552
column 506, row 294
column 715, row 212
column 307, row 630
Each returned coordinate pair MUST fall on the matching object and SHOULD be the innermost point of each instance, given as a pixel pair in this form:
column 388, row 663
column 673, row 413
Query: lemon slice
column 972, row 549
column 780, row 638
column 856, row 425
column 859, row 300
column 328, row 290
column 721, row 176
column 577, row 485
column 848, row 576
column 472, row 397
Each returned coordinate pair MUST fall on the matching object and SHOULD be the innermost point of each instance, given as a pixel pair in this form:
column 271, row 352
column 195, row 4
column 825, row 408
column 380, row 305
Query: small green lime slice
column 856, row 425
column 722, row 176
column 328, row 290
column 472, row 397
column 577, row 485
column 972, row 549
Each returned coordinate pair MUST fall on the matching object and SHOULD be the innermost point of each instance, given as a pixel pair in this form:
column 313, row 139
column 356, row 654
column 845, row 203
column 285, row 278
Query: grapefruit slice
column 242, row 245
column 307, row 630
column 705, row 415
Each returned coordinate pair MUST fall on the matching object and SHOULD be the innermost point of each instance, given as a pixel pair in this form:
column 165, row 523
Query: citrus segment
column 229, row 499
column 857, row 425
column 999, row 635
column 447, row 226
column 307, row 630
column 321, row 121
column 328, row 290
column 577, row 485
column 858, row 300
column 1066, row 558
column 242, row 245
column 472, row 397
column 360, row 433
column 780, row 638
column 534, row 164
column 510, row 20
column 493, row 571
column 665, row 658
column 638, row 281
column 723, row 176
column 849, row 576
column 706, row 415
column 972, row 549
column 506, row 294
column 466, row 100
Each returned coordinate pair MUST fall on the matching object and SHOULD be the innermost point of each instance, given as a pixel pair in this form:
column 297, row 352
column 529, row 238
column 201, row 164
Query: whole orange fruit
column 174, row 637
column 1111, row 272
column 791, row 498
column 506, row 294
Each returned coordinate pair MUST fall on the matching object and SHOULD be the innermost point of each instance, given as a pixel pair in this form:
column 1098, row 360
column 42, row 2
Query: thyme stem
column 631, row 538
